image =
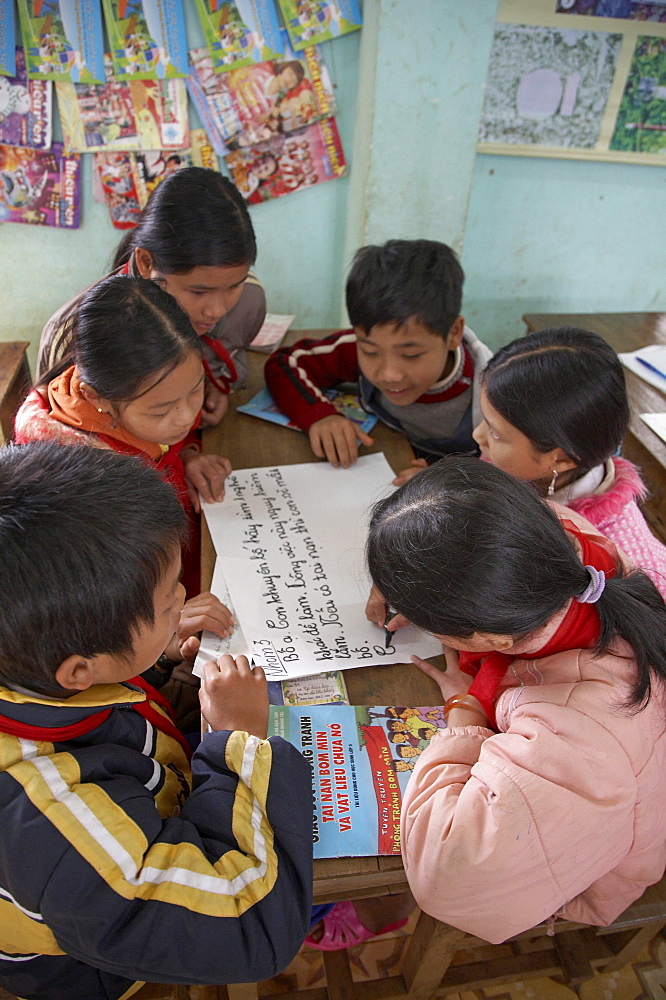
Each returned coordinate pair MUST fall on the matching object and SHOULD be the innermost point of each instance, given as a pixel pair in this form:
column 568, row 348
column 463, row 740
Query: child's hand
column 450, row 681
column 413, row 469
column 234, row 695
column 335, row 438
column 215, row 405
column 202, row 612
column 376, row 611
column 205, row 474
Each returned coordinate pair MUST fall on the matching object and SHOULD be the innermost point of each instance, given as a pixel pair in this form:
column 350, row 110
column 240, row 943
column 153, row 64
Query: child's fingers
column 427, row 668
column 363, row 437
column 398, row 621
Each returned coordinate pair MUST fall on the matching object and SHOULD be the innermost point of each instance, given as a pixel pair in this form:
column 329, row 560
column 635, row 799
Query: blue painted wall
column 536, row 235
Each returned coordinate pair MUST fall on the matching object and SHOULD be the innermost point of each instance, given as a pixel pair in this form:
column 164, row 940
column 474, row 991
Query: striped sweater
column 120, row 863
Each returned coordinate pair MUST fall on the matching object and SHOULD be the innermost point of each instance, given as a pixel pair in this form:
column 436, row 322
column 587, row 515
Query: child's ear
column 562, row 462
column 455, row 334
column 76, row 673
column 144, row 262
column 101, row 405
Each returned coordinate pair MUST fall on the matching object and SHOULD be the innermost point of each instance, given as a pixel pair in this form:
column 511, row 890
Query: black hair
column 562, row 388
column 295, row 65
column 402, row 280
column 86, row 536
column 127, row 330
column 463, row 547
column 194, row 218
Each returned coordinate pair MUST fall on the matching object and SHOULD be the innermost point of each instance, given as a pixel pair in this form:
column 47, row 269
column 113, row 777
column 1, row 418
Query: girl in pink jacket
column 546, row 794
column 555, row 412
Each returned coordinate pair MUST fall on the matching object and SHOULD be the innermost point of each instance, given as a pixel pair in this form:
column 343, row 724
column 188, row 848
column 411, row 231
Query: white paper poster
column 289, row 543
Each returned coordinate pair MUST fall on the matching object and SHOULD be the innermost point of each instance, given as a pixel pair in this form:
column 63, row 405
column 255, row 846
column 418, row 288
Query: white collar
column 595, row 481
column 453, row 375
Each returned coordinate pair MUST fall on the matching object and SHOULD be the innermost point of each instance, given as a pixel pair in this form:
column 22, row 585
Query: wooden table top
column 249, row 442
column 627, row 332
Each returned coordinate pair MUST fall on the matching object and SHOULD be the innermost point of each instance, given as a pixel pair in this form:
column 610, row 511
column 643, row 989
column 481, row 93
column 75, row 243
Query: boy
column 115, row 866
column 418, row 366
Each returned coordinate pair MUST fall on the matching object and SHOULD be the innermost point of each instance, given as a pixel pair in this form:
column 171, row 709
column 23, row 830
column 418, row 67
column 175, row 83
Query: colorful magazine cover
column 240, row 33
column 288, row 163
column 7, row 38
column 272, row 332
column 628, row 10
column 25, row 108
column 640, row 126
column 262, row 405
column 328, row 688
column 361, row 759
column 147, row 37
column 63, row 39
column 312, row 21
column 126, row 180
column 38, row 187
column 251, row 105
column 123, row 115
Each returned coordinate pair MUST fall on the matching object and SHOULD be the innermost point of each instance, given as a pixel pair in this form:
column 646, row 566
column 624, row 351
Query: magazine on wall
column 126, row 180
column 311, row 21
column 147, row 37
column 122, row 115
column 240, row 33
column 253, row 104
column 288, row 163
column 361, row 759
column 40, row 187
column 63, row 39
column 25, row 108
column 7, row 38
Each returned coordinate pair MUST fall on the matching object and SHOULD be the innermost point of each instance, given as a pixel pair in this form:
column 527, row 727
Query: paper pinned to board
column 289, row 543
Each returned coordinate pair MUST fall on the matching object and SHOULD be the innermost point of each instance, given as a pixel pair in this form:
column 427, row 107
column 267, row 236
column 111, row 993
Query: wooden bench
column 14, row 384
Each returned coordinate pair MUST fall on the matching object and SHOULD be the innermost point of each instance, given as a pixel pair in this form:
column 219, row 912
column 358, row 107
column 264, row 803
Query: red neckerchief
column 61, row 734
column 461, row 384
column 221, row 382
column 579, row 629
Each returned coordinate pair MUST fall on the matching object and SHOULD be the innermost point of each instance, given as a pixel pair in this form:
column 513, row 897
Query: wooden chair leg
column 576, row 967
column 241, row 991
column 635, row 944
column 339, row 982
column 428, row 956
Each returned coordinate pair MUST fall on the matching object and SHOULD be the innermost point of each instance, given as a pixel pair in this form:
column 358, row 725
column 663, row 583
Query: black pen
column 388, row 636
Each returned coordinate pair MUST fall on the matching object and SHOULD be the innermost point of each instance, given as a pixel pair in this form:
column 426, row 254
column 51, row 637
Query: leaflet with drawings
column 361, row 759
column 289, row 543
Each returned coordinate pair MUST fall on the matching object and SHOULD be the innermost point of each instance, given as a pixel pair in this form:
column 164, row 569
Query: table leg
column 428, row 956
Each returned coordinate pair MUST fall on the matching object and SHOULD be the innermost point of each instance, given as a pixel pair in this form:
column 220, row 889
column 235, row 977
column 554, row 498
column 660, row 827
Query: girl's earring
column 100, row 410
column 551, row 488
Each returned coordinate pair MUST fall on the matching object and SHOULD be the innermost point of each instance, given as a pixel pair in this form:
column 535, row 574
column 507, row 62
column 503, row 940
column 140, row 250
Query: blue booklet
column 346, row 403
column 361, row 759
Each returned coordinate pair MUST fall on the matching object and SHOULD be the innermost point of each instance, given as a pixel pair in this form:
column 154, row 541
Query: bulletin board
column 565, row 83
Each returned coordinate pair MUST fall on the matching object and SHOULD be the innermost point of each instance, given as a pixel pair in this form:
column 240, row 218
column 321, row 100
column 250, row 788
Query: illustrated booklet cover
column 238, row 34
column 361, row 759
column 124, row 115
column 63, row 39
column 25, row 108
column 125, row 180
column 40, row 187
column 147, row 37
column 288, row 163
column 311, row 21
column 7, row 38
column 247, row 106
column 346, row 402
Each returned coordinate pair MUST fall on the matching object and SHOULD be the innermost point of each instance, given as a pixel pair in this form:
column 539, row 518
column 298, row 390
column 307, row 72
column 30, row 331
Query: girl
column 195, row 239
column 555, row 412
column 546, row 794
column 136, row 386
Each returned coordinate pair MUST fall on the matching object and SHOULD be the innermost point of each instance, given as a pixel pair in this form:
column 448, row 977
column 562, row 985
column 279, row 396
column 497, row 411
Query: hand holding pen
column 378, row 611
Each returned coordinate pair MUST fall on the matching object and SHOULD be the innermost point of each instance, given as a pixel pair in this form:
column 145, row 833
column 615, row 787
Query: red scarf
column 60, row 734
column 579, row 629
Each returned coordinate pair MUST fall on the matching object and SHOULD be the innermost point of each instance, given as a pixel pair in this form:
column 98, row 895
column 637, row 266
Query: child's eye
column 412, row 357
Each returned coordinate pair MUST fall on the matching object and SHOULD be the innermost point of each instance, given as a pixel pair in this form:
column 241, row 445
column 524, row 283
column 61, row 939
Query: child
column 417, row 365
column 136, row 387
column 195, row 239
column 120, row 862
column 547, row 791
column 555, row 412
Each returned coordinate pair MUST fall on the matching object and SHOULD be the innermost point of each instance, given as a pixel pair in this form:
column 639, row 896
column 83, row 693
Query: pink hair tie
column 595, row 587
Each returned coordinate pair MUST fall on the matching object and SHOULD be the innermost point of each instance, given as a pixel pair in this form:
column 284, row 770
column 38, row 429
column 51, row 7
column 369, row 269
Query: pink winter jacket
column 563, row 812
column 616, row 515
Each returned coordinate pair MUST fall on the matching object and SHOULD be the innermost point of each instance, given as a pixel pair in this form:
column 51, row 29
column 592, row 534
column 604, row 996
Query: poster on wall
column 63, row 39
column 147, row 37
column 25, row 108
column 241, row 33
column 563, row 85
column 40, row 187
column 654, row 10
column 7, row 38
column 312, row 21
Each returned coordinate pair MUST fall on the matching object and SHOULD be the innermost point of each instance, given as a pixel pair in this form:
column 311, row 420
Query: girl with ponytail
column 546, row 794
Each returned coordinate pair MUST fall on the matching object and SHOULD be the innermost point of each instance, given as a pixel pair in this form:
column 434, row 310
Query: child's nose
column 479, row 434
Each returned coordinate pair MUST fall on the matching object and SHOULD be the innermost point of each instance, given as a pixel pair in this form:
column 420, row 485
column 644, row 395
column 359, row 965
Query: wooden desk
column 627, row 332
column 249, row 442
column 15, row 383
